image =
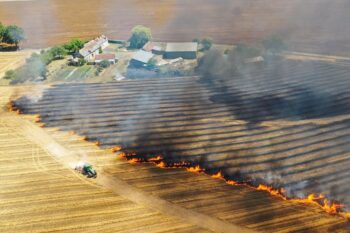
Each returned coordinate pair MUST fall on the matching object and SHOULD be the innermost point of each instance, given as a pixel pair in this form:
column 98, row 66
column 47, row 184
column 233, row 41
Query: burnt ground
column 285, row 124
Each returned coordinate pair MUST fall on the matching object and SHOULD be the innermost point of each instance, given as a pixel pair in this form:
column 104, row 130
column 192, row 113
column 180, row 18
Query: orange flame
column 156, row 159
column 218, row 175
column 272, row 191
column 314, row 199
column 37, row 119
column 134, row 161
column 122, row 155
column 116, row 149
column 231, row 182
column 97, row 143
column 161, row 165
column 195, row 169
column 11, row 107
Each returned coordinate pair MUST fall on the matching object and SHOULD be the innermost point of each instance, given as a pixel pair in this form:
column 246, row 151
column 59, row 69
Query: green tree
column 274, row 45
column 207, row 43
column 13, row 35
column 58, row 52
column 140, row 36
column 74, row 45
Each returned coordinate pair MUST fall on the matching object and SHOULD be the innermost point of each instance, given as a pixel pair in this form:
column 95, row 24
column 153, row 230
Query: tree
column 74, row 45
column 274, row 45
column 13, row 35
column 140, row 36
column 207, row 43
column 57, row 52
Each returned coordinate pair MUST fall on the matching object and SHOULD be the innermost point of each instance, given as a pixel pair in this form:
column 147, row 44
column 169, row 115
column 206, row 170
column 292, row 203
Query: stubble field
column 318, row 26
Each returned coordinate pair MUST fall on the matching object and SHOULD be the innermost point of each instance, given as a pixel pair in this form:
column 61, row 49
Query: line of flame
column 314, row 199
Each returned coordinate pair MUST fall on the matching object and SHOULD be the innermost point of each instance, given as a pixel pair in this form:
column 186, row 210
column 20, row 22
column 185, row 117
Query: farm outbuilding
column 105, row 56
column 186, row 50
column 141, row 58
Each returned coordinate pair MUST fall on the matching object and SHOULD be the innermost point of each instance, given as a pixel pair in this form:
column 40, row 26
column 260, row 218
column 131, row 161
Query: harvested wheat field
column 282, row 128
column 318, row 26
column 12, row 60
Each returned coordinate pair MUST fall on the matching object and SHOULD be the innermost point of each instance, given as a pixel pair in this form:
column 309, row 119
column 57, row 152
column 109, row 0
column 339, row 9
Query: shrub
column 10, row 74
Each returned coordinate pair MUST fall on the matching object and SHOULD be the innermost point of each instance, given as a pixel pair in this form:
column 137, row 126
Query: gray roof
column 182, row 47
column 143, row 56
column 92, row 46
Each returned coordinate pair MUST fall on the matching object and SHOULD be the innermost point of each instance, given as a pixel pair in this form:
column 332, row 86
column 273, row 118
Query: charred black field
column 284, row 124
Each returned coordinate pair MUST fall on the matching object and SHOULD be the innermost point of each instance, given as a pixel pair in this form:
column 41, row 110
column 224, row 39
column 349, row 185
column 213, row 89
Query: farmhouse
column 186, row 50
column 141, row 58
column 92, row 48
column 105, row 56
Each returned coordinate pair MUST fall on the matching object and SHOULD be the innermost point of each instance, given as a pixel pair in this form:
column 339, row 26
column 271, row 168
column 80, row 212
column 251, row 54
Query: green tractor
column 87, row 170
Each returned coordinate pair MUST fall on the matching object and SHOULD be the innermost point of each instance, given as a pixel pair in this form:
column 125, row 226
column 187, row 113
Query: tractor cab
column 87, row 170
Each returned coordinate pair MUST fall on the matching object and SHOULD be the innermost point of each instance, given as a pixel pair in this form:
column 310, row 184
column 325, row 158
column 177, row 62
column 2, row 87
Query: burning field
column 40, row 193
column 281, row 128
